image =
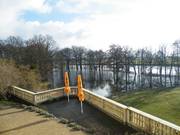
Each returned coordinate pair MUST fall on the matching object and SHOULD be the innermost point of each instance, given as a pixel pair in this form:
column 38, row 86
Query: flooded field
column 91, row 118
column 107, row 83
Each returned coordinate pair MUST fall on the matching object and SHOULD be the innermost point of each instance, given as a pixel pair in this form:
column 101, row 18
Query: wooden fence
column 128, row 115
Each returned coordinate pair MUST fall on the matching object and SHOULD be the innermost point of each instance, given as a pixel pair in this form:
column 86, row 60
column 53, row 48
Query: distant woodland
column 28, row 63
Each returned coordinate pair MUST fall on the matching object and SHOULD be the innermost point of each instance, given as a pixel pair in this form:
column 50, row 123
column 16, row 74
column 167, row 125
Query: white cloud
column 10, row 10
column 143, row 23
column 82, row 6
column 136, row 23
column 66, row 34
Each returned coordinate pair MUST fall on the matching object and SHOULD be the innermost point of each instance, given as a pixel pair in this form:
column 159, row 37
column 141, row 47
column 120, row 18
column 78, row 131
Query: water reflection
column 103, row 91
column 105, row 82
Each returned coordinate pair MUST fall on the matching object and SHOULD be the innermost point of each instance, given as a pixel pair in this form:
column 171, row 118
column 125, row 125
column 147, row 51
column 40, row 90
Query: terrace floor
column 91, row 118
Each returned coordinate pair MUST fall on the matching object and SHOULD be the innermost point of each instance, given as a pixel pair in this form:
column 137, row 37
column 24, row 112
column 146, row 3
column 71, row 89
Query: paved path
column 16, row 121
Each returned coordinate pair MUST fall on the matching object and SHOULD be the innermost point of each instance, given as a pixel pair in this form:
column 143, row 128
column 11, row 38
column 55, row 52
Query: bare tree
column 116, row 59
column 149, row 61
column 100, row 57
column 78, row 53
column 160, row 60
column 39, row 54
column 90, row 59
column 67, row 54
column 176, row 45
column 13, row 48
column 2, row 49
column 172, row 59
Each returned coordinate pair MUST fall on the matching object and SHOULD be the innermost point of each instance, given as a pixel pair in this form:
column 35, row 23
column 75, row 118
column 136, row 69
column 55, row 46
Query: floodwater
column 92, row 118
column 105, row 82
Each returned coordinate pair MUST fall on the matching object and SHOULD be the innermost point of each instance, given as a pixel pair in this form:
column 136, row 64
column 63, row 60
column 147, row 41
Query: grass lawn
column 7, row 102
column 164, row 104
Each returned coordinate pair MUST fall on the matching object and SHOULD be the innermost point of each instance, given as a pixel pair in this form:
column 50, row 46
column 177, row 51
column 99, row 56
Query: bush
column 11, row 74
column 31, row 79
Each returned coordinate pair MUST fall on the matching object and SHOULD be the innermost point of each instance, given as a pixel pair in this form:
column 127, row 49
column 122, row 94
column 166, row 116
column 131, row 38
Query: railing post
column 23, row 95
column 34, row 99
column 125, row 116
column 14, row 91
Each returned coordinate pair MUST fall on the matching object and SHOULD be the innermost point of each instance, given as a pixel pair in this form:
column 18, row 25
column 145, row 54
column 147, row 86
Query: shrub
column 11, row 74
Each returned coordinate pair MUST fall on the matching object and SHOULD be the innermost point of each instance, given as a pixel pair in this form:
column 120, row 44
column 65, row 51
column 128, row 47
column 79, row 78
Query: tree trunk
column 165, row 74
column 150, row 84
column 160, row 75
column 126, row 76
column 171, row 66
column 81, row 64
column 76, row 65
column 67, row 66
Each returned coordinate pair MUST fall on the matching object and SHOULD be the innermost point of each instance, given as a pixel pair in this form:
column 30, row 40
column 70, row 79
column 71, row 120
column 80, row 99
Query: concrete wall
column 128, row 115
column 131, row 116
column 110, row 107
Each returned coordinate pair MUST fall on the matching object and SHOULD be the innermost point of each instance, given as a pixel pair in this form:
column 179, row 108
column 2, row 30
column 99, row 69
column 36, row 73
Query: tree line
column 41, row 52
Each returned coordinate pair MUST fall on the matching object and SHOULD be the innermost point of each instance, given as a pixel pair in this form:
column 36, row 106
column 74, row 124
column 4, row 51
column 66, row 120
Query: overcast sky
column 95, row 24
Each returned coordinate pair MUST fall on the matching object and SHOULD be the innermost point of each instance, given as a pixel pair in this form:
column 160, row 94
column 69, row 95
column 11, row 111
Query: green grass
column 7, row 102
column 164, row 104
